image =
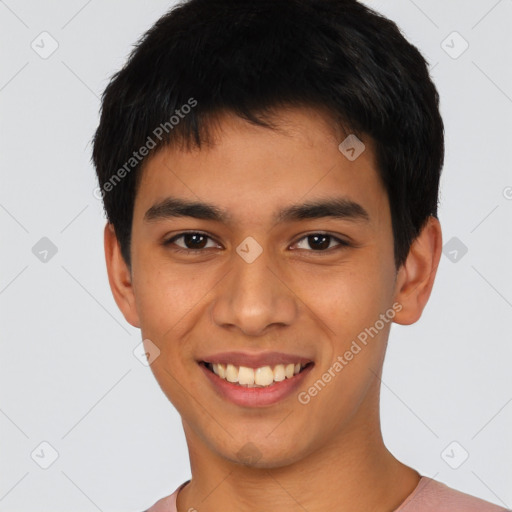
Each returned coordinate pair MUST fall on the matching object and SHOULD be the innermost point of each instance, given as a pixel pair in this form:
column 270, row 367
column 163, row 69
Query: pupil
column 191, row 239
column 315, row 239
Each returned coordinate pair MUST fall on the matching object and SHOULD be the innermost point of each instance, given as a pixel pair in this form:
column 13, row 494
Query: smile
column 264, row 376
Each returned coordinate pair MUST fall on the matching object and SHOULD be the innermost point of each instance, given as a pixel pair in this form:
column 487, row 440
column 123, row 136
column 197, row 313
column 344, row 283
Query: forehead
column 251, row 172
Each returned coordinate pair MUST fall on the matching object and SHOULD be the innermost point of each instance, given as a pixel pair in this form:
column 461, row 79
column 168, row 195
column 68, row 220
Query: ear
column 119, row 277
column 415, row 277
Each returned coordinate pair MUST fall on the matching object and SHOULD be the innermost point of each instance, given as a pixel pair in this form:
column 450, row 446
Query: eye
column 320, row 242
column 192, row 241
column 195, row 242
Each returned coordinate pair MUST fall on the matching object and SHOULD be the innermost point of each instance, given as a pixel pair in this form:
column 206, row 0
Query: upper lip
column 255, row 360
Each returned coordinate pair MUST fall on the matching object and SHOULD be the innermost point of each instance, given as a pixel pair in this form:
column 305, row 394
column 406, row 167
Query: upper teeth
column 252, row 377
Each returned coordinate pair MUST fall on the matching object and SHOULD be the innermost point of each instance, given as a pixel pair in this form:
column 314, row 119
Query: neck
column 355, row 473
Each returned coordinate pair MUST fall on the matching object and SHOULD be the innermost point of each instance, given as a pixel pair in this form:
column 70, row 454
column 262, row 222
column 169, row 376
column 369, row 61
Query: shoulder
column 431, row 495
column 167, row 504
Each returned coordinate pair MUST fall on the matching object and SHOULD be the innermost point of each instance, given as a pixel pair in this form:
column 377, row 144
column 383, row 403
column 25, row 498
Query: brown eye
column 192, row 241
column 320, row 242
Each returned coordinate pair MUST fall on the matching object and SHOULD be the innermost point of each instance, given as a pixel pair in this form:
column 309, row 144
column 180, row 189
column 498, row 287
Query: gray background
column 68, row 375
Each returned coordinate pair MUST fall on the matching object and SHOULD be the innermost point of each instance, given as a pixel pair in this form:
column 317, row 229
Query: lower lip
column 256, row 397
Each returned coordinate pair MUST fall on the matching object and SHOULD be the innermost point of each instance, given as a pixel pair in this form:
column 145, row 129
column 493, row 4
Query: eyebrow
column 336, row 207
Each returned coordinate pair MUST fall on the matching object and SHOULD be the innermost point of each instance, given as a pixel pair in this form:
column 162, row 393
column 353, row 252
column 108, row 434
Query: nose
column 254, row 296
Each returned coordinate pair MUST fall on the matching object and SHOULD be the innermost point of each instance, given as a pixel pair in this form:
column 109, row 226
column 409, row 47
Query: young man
column 270, row 173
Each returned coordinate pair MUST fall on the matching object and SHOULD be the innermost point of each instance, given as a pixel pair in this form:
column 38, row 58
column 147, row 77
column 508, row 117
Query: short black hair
column 250, row 58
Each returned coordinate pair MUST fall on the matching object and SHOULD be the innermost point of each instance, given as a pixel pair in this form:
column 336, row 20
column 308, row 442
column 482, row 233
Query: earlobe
column 119, row 277
column 416, row 276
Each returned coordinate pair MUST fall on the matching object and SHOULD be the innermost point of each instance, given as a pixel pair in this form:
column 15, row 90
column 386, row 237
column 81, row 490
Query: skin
column 292, row 299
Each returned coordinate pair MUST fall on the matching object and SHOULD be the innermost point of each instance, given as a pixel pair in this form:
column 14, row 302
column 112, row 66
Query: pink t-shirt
column 428, row 496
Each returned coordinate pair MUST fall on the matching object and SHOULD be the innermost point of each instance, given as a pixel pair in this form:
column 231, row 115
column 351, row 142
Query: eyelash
column 342, row 243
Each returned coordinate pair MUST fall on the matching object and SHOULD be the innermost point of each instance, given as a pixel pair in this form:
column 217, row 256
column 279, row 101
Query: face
column 266, row 280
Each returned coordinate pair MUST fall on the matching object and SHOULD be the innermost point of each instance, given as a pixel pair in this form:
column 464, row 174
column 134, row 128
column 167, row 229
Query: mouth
column 261, row 377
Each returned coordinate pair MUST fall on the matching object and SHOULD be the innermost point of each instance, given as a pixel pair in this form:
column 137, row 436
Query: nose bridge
column 253, row 296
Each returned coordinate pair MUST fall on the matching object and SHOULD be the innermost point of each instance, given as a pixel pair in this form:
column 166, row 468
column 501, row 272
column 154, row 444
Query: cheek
column 348, row 302
column 164, row 294
column 346, row 298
